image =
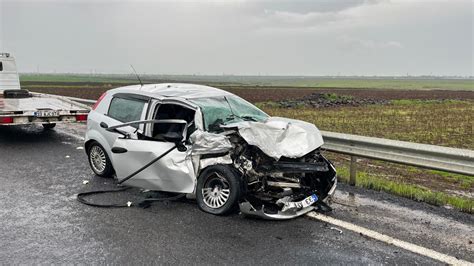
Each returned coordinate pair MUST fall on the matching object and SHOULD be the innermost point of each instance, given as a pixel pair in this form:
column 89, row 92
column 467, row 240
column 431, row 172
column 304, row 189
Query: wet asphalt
column 42, row 222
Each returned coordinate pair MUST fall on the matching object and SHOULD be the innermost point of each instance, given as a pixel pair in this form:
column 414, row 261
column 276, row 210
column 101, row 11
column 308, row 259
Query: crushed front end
column 283, row 173
column 283, row 188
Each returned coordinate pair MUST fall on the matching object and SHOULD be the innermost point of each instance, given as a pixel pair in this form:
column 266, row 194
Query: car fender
column 94, row 135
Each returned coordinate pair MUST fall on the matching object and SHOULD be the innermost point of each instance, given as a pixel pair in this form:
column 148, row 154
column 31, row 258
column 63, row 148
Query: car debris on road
column 336, row 229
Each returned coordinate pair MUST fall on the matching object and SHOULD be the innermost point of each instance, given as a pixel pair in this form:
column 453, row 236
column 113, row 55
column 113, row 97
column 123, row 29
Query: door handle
column 119, row 150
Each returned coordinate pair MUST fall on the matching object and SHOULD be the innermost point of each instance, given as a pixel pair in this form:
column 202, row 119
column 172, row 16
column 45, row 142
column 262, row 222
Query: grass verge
column 414, row 192
column 444, row 123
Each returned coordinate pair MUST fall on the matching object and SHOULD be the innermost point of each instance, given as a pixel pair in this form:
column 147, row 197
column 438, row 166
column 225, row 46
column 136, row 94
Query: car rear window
column 126, row 110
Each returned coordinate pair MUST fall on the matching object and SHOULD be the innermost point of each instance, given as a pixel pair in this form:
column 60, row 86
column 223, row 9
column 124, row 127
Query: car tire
column 218, row 190
column 99, row 160
column 49, row 126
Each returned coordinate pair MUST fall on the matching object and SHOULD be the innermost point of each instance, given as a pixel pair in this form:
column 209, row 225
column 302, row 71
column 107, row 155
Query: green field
column 447, row 123
column 409, row 83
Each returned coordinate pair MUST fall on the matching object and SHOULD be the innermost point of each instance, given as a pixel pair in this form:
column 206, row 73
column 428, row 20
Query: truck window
column 126, row 110
column 1, row 66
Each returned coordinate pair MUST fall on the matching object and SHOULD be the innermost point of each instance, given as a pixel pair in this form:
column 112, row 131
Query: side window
column 172, row 111
column 1, row 66
column 126, row 110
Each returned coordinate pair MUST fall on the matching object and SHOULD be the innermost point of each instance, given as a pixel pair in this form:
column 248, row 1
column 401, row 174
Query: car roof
column 165, row 90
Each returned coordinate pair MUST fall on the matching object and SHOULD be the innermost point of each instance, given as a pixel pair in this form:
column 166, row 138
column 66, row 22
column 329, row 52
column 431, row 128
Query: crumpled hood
column 279, row 136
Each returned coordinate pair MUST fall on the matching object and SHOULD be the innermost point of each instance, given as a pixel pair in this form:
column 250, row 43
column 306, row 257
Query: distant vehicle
column 21, row 107
column 211, row 145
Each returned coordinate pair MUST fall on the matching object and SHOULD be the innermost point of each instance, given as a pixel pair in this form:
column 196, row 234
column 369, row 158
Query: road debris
column 85, row 182
column 337, row 229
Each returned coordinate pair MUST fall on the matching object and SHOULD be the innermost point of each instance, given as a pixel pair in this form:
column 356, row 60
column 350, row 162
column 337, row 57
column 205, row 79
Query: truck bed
column 40, row 108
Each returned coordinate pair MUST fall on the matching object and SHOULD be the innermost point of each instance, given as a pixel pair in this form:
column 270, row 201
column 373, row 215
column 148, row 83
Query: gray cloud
column 241, row 37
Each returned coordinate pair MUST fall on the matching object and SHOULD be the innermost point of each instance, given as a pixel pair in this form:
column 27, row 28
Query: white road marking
column 390, row 240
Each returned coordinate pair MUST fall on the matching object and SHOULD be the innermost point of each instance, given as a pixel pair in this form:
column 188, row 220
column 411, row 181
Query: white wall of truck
column 9, row 79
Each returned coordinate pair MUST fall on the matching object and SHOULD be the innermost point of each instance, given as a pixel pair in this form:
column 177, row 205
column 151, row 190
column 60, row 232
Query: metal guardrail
column 460, row 161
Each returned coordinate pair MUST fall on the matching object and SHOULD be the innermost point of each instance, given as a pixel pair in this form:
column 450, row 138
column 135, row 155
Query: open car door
column 173, row 172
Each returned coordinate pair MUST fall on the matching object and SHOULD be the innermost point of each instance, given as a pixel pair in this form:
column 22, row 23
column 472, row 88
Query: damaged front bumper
column 247, row 209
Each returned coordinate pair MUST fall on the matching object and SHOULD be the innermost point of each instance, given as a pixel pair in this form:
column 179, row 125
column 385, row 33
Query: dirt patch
column 318, row 100
column 260, row 94
column 276, row 94
column 377, row 94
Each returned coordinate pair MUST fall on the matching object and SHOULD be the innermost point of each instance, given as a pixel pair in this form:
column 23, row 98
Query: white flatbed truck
column 21, row 107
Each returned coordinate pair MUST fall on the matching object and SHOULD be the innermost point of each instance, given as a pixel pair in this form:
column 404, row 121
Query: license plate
column 309, row 200
column 46, row 113
column 300, row 204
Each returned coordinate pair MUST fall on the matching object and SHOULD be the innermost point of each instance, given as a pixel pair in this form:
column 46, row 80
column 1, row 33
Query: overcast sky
column 348, row 37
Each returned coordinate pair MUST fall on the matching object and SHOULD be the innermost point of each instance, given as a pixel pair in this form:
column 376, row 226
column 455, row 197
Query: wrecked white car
column 210, row 145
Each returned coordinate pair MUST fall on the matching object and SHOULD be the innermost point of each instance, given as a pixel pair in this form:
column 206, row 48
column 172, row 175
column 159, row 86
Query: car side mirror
column 103, row 125
column 176, row 138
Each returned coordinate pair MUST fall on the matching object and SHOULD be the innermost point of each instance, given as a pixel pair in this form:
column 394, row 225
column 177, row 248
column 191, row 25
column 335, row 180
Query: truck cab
column 9, row 79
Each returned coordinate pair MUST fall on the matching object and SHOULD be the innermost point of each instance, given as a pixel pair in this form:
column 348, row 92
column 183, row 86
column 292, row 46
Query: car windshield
column 224, row 110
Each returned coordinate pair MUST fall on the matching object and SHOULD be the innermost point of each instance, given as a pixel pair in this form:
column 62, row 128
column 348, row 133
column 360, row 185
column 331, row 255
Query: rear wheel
column 49, row 126
column 219, row 189
column 99, row 160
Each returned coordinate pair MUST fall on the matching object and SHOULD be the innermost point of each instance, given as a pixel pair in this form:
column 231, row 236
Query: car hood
column 280, row 137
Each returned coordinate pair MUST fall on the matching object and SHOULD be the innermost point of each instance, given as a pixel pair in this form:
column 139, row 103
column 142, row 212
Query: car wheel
column 99, row 160
column 219, row 189
column 49, row 126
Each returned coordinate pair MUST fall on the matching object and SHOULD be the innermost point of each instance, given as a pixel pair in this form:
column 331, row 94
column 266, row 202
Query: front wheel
column 99, row 161
column 218, row 190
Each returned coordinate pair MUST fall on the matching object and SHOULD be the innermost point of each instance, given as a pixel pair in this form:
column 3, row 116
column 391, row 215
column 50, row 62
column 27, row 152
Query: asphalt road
column 41, row 222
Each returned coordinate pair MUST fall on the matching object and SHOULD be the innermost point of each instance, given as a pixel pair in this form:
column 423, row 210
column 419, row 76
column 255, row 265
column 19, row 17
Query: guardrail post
column 353, row 171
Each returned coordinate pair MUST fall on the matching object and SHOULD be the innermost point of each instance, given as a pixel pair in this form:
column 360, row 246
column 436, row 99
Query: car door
column 123, row 108
column 174, row 172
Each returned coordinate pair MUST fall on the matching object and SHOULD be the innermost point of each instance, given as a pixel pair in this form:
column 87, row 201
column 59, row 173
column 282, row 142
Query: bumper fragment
column 247, row 209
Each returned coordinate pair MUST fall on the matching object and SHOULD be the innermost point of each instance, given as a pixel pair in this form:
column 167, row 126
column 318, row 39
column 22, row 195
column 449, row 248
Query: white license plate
column 300, row 204
column 309, row 200
column 46, row 113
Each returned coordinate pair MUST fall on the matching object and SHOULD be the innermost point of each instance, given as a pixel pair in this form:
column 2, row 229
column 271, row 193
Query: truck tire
column 99, row 160
column 218, row 190
column 16, row 94
column 49, row 126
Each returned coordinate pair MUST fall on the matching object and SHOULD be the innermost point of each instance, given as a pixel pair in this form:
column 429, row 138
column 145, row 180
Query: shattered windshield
column 224, row 110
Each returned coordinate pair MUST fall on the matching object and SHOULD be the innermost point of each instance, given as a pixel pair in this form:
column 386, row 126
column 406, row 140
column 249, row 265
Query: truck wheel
column 49, row 126
column 99, row 160
column 219, row 189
